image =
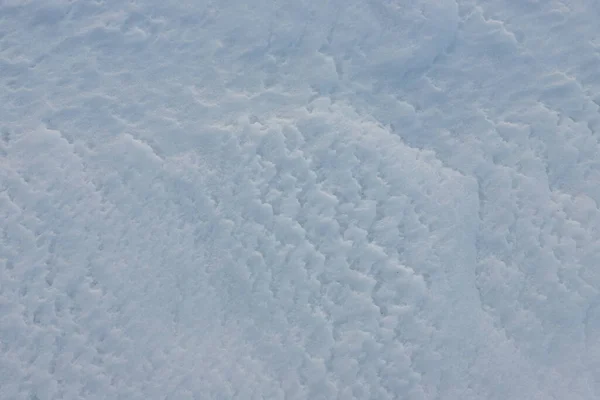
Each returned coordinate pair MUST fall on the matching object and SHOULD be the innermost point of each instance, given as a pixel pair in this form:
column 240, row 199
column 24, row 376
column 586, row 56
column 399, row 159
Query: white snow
column 300, row 199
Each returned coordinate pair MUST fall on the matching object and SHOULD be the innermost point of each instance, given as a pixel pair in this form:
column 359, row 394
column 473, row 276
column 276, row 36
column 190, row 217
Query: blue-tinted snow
column 299, row 199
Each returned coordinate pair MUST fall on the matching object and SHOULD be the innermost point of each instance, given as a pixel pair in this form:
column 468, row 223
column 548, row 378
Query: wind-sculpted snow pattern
column 288, row 199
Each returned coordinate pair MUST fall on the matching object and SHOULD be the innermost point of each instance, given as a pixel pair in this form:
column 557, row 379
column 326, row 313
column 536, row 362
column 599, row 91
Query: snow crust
column 299, row 199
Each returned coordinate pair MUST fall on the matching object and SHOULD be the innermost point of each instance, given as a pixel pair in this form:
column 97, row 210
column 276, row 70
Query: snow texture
column 300, row 199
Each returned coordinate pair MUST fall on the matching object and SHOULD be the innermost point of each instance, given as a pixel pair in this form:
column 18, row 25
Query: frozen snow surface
column 300, row 199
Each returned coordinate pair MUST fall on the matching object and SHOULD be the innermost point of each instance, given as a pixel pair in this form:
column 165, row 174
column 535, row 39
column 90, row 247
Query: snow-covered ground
column 300, row 199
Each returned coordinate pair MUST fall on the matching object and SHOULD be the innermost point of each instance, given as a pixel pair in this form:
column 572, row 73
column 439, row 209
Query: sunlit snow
column 300, row 199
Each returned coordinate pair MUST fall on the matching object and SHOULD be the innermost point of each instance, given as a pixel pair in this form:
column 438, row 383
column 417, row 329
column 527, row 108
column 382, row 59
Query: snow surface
column 299, row 199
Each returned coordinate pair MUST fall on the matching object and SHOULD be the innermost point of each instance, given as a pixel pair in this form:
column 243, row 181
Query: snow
column 299, row 199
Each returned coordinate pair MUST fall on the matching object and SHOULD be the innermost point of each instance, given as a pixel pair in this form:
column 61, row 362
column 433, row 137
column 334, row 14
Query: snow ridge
column 291, row 199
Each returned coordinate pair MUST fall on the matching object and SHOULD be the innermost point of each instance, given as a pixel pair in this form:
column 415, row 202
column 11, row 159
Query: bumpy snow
column 300, row 199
